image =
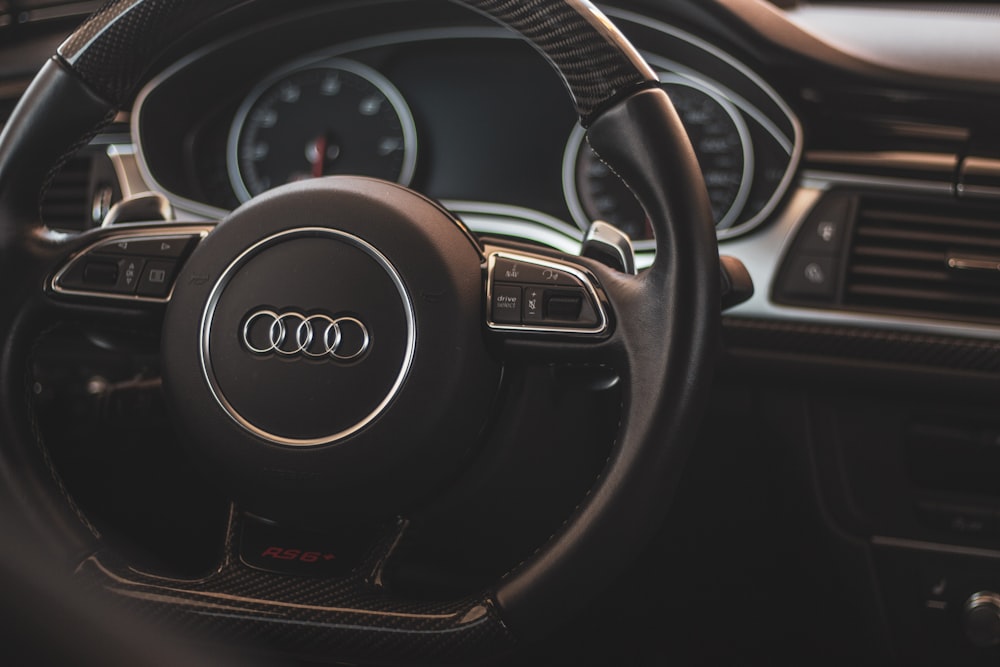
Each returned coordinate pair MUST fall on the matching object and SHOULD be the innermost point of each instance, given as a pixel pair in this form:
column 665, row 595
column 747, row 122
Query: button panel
column 134, row 266
column 812, row 271
column 540, row 295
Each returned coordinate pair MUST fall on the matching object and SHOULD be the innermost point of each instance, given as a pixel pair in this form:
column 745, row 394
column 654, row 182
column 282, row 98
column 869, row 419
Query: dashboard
column 459, row 110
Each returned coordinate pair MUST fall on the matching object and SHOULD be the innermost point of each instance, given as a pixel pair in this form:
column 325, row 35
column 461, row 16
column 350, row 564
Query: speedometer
column 721, row 142
column 333, row 117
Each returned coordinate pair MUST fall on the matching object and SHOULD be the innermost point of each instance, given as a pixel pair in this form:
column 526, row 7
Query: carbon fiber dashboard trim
column 840, row 343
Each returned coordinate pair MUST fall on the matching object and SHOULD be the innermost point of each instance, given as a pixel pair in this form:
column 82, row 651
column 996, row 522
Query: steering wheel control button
column 507, row 304
column 535, row 294
column 322, row 320
column 106, row 275
column 518, row 271
column 533, row 302
column 101, row 273
column 134, row 266
column 564, row 306
column 157, row 279
column 170, row 247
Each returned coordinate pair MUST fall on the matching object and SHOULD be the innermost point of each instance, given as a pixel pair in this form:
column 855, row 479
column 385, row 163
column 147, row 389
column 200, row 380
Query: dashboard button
column 824, row 231
column 811, row 276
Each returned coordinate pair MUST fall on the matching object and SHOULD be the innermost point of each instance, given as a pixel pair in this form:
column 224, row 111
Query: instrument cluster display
column 333, row 117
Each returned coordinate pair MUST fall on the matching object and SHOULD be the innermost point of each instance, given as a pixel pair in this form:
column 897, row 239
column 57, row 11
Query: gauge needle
column 317, row 165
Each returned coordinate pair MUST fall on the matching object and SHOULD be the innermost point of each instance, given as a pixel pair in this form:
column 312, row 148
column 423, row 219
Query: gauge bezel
column 372, row 76
column 725, row 226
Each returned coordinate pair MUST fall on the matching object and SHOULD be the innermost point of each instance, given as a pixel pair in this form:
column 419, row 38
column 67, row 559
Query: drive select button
column 506, row 307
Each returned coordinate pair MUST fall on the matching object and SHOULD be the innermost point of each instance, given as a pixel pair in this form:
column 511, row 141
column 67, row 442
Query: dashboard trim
column 761, row 254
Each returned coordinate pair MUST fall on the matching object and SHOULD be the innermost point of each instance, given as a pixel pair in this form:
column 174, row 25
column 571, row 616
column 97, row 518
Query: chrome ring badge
column 293, row 334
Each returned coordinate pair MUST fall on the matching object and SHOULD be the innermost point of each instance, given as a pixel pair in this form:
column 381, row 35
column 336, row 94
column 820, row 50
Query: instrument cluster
column 466, row 115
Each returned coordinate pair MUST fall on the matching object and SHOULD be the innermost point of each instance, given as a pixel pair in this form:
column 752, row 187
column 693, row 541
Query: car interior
column 500, row 332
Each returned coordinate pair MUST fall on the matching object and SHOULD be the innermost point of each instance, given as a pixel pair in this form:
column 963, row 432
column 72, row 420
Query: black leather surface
column 664, row 344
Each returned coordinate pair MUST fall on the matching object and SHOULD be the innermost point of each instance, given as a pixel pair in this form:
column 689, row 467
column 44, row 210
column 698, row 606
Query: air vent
column 66, row 203
column 925, row 257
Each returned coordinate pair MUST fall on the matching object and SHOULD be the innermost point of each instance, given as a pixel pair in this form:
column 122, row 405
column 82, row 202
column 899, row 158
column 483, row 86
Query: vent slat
column 936, row 238
column 922, row 295
column 898, row 274
column 899, row 258
column 909, row 220
column 904, row 254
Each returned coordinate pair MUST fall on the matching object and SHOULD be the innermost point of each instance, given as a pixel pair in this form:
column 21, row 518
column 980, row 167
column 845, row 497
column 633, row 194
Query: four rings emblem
column 293, row 334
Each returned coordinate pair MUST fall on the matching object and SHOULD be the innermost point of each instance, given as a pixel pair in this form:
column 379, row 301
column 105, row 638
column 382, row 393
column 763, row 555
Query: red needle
column 320, row 157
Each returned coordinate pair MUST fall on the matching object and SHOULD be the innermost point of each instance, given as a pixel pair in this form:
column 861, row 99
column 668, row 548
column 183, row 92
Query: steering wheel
column 333, row 346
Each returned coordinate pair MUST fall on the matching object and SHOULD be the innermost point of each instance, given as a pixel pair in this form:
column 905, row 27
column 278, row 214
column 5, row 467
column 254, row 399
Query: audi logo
column 313, row 336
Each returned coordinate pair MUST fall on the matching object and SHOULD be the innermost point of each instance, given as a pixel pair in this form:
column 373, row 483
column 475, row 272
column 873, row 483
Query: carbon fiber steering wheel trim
column 113, row 50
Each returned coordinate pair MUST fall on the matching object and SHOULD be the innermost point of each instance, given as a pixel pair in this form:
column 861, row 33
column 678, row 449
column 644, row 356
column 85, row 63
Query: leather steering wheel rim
column 663, row 342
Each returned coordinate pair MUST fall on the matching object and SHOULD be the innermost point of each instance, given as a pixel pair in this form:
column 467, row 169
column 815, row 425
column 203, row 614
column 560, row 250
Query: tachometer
column 333, row 117
column 721, row 142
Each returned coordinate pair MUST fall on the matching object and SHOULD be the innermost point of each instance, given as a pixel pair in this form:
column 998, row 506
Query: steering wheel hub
column 307, row 337
column 330, row 317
